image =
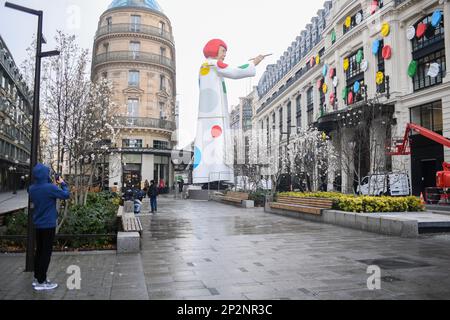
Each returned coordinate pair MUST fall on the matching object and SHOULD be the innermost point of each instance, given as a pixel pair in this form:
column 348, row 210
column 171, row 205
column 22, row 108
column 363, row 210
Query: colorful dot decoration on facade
column 350, row 97
column 245, row 66
column 332, row 99
column 410, row 32
column 319, row 84
column 325, row 70
column 359, row 56
column 436, row 18
column 380, row 78
column 216, row 132
column 325, row 88
column 332, row 73
column 345, row 93
column 356, row 87
column 346, row 64
column 205, row 69
column 348, row 22
column 376, row 47
column 412, row 68
column 434, row 70
column 197, row 157
column 224, row 87
column 374, row 7
column 335, row 81
column 385, row 29
column 312, row 61
column 364, row 65
column 421, row 29
column 317, row 60
column 387, row 52
column 333, row 36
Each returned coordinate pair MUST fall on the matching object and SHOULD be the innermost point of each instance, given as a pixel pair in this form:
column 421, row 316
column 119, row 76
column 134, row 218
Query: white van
column 393, row 184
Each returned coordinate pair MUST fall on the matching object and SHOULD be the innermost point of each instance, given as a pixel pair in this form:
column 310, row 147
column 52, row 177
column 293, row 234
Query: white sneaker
column 35, row 282
column 45, row 286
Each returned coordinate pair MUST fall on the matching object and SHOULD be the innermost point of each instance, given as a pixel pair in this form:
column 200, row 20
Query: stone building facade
column 366, row 68
column 134, row 48
column 15, row 124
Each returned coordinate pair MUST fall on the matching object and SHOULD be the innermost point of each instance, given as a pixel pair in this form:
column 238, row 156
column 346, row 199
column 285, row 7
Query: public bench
column 129, row 238
column 313, row 206
column 239, row 198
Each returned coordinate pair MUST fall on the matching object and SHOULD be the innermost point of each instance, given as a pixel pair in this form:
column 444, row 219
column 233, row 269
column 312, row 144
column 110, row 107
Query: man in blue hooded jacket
column 44, row 194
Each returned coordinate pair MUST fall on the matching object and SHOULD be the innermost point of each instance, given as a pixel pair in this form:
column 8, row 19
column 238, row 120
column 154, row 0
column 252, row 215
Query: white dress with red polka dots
column 214, row 151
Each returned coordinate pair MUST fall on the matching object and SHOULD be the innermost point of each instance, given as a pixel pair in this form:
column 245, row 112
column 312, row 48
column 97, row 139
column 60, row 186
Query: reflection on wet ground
column 205, row 250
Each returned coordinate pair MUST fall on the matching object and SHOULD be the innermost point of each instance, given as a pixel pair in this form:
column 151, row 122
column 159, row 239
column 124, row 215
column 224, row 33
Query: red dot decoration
column 216, row 131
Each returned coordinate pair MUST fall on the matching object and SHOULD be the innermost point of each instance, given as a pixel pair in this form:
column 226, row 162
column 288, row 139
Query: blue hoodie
column 43, row 194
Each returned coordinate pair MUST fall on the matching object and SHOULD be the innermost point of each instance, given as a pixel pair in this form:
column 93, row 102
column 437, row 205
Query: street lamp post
column 12, row 171
column 35, row 127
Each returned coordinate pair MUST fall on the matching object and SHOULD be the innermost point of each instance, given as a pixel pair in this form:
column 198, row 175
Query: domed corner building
column 134, row 49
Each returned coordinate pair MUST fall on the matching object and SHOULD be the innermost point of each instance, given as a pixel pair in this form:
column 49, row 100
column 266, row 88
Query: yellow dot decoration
column 317, row 60
column 346, row 64
column 205, row 69
column 380, row 78
column 348, row 22
column 324, row 88
column 385, row 29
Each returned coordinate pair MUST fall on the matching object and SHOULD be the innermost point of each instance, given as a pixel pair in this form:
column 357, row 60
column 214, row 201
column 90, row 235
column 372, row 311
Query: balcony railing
column 145, row 57
column 130, row 122
column 134, row 28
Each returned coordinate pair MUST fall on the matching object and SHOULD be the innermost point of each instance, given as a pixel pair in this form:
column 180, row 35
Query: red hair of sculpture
column 211, row 49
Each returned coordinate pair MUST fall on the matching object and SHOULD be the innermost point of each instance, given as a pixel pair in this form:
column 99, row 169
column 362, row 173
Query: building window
column 135, row 48
column 135, row 23
column 354, row 74
column 109, row 23
column 310, row 105
column 133, row 78
column 281, row 121
column 428, row 116
column 162, row 115
column 163, row 51
column 298, row 104
column 427, row 50
column 381, row 67
column 133, row 108
column 105, row 75
column 132, row 143
column 160, row 145
column 353, row 21
column 289, row 118
column 162, row 27
column 162, row 82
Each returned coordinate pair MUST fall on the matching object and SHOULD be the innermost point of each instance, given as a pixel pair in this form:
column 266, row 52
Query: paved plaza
column 206, row 250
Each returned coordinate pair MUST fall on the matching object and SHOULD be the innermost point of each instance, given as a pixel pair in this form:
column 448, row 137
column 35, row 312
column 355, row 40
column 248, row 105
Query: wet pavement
column 206, row 250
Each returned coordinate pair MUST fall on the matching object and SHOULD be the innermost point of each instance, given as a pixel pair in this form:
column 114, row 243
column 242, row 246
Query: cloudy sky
column 249, row 27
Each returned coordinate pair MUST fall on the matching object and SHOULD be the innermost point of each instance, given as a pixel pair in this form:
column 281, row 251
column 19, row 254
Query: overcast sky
column 249, row 27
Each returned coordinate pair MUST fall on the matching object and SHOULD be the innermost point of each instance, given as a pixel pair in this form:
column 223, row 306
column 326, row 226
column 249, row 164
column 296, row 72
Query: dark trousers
column 153, row 204
column 44, row 248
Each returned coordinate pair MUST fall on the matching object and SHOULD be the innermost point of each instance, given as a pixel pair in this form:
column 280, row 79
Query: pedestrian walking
column 153, row 194
column 43, row 194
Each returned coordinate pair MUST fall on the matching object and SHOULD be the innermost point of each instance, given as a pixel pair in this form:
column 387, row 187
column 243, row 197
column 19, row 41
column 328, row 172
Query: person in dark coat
column 153, row 194
column 43, row 194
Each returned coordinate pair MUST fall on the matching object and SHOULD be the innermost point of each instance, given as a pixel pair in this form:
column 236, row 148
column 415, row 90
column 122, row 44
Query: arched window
column 428, row 49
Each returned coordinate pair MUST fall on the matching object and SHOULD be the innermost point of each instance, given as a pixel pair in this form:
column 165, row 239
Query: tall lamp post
column 29, row 267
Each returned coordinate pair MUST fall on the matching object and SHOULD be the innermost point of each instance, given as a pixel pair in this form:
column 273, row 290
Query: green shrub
column 16, row 224
column 259, row 197
column 367, row 204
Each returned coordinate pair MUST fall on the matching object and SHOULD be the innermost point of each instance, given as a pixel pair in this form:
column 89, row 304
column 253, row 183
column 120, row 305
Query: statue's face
column 222, row 54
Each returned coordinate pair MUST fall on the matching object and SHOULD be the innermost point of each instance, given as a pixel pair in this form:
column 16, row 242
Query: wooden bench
column 130, row 223
column 313, row 206
column 235, row 197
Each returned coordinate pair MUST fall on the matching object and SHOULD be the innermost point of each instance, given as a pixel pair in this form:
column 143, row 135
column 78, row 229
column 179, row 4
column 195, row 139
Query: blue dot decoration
column 376, row 47
column 436, row 18
column 325, row 70
column 197, row 157
column 356, row 87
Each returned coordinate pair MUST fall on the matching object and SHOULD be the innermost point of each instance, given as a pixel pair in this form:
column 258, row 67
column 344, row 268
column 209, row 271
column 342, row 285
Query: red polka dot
column 222, row 65
column 216, row 131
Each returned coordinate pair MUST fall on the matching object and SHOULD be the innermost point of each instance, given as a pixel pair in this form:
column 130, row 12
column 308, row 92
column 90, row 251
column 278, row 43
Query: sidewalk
column 12, row 202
